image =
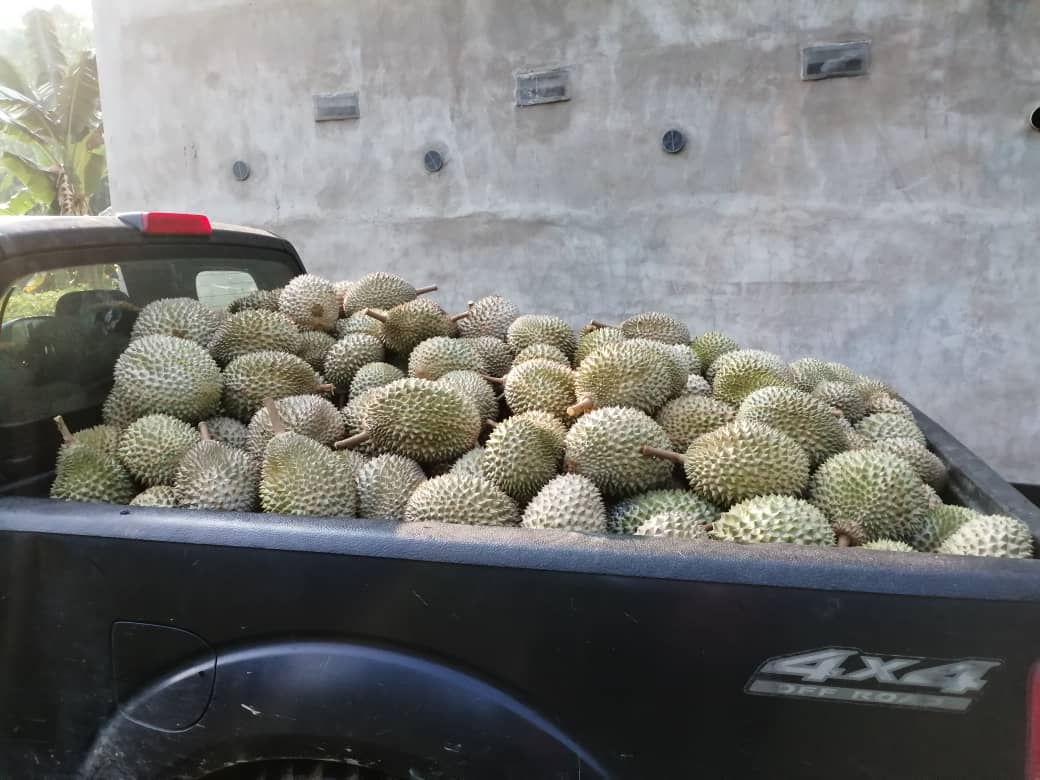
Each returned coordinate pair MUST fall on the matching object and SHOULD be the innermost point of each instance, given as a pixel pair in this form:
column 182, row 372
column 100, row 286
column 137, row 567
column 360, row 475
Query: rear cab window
column 66, row 316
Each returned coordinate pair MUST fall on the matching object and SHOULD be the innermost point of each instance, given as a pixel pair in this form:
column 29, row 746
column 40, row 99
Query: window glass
column 216, row 289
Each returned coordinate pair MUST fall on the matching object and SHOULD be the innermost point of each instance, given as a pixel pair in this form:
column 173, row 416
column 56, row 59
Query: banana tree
column 51, row 139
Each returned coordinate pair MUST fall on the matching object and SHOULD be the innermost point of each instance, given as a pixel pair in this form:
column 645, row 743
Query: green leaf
column 26, row 110
column 15, row 128
column 44, row 46
column 39, row 181
column 21, row 203
column 94, row 175
column 79, row 99
column 11, row 77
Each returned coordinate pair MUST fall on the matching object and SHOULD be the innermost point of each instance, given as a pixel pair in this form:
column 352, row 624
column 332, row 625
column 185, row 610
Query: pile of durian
column 364, row 399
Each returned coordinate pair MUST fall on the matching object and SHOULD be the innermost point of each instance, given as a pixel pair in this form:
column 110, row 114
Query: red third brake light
column 1033, row 725
column 164, row 223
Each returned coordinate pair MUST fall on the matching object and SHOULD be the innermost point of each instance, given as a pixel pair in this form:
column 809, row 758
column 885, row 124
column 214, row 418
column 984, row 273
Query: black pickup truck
column 150, row 643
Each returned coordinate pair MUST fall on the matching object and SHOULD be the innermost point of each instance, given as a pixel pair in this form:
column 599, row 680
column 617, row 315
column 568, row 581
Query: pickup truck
column 153, row 643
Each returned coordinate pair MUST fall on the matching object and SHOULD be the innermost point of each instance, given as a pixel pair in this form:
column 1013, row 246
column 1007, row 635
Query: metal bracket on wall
column 839, row 58
column 331, row 106
column 542, row 86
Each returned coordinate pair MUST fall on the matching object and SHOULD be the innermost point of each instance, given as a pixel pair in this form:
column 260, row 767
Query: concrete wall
column 885, row 221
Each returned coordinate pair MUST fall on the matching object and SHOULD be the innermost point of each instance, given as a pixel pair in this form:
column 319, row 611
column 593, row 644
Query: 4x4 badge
column 849, row 675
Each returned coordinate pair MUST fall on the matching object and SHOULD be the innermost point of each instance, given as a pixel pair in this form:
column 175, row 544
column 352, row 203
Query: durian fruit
column 854, row 439
column 871, row 388
column 740, row 460
column 625, row 516
column 435, row 357
column 805, row 419
column 425, row 421
column 843, row 396
column 254, row 330
column 459, row 498
column 308, row 415
column 216, row 477
column 380, row 291
column 314, row 346
column 676, row 365
column 606, row 446
column 310, row 302
column 228, row 431
column 342, row 287
column 165, row 374
column 549, row 423
column 409, row 324
column 656, row 327
column 928, row 467
column 151, row 448
column 353, row 414
column 299, row 476
column 385, row 485
column 490, row 316
column 934, row 501
column 359, row 323
column 774, row 518
column 889, row 426
column 89, row 473
column 709, row 346
column 738, row 374
column 183, row 318
column 939, row 523
column 519, row 459
column 841, row 373
column 626, row 374
column 495, row 353
column 542, row 385
column 158, row 496
column 688, row 416
column 878, row 489
column 257, row 375
column 348, row 355
column 594, row 339
column 354, row 461
column 118, row 410
column 849, row 533
column 469, row 463
column 373, row 375
column 543, row 351
column 569, row 502
column 697, row 385
column 880, row 403
column 687, row 360
column 266, row 300
column 891, row 545
column 992, row 536
column 531, row 329
column 104, row 438
column 473, row 386
column 683, row 525
column 809, row 373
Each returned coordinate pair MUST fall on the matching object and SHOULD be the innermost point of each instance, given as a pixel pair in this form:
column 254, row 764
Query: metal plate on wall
column 841, row 58
column 542, row 86
column 330, row 106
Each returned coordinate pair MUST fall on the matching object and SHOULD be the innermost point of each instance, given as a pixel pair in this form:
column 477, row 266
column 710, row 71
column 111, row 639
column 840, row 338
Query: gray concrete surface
column 884, row 221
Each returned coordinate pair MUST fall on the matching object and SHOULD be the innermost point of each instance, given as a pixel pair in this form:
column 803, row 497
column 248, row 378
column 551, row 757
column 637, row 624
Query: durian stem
column 276, row 419
column 326, row 388
column 353, row 441
column 580, row 408
column 654, row 452
column 491, row 423
column 424, row 290
column 457, row 317
column 495, row 380
column 844, row 541
column 598, row 324
column 63, row 429
column 375, row 314
column 204, row 431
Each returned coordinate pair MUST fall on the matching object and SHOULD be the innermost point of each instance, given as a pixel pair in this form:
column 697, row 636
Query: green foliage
column 51, row 138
